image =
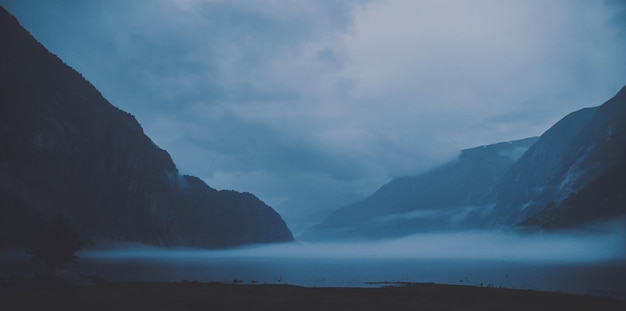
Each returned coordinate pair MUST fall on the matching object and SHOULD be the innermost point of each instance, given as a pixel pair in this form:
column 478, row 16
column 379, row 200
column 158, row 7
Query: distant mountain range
column 65, row 149
column 571, row 176
column 439, row 199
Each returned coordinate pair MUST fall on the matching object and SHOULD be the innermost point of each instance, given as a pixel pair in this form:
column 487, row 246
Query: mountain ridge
column 437, row 199
column 595, row 174
column 572, row 176
column 65, row 149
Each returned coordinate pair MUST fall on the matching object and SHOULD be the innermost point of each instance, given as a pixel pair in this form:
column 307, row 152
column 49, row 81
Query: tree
column 56, row 245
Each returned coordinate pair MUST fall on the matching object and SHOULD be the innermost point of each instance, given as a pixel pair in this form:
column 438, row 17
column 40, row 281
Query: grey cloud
column 248, row 146
column 296, row 99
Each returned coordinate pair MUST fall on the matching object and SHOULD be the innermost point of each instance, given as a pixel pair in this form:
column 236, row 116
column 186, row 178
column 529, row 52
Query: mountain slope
column 584, row 182
column 536, row 175
column 437, row 200
column 65, row 149
column 571, row 176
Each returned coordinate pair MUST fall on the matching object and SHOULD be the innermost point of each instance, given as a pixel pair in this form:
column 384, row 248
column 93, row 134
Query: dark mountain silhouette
column 574, row 175
column 65, row 149
column 440, row 199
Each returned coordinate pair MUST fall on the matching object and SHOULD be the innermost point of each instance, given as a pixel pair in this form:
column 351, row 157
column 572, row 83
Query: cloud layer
column 309, row 99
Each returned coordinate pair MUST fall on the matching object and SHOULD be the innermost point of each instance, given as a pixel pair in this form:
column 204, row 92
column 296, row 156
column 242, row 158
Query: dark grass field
column 221, row 296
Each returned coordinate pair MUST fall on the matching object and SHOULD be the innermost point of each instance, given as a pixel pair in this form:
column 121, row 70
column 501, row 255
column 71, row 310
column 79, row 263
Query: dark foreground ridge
column 219, row 296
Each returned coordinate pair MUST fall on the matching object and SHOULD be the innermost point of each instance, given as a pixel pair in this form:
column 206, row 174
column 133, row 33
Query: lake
column 594, row 264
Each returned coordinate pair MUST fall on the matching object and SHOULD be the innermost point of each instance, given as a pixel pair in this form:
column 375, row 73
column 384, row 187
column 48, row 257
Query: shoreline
column 188, row 295
column 597, row 281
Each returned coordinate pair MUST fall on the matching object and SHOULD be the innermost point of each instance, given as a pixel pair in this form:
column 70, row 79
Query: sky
column 317, row 103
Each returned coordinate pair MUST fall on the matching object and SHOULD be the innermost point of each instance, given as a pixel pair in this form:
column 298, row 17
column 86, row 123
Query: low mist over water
column 558, row 247
column 576, row 262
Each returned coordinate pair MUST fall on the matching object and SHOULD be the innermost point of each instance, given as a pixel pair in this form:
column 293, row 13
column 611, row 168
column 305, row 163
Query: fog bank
column 474, row 245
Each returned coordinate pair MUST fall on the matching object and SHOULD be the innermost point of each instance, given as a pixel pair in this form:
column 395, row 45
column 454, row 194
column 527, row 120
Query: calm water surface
column 585, row 278
column 586, row 266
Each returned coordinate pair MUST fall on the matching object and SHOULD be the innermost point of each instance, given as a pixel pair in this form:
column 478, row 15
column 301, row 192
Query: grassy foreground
column 219, row 296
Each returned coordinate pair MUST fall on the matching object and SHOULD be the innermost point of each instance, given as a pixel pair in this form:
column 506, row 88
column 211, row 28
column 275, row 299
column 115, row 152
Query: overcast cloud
column 315, row 99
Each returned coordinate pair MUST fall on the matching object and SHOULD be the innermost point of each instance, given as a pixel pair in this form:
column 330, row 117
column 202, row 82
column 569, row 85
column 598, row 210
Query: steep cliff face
column 65, row 149
column 590, row 182
column 441, row 199
column 584, row 151
column 571, row 176
column 533, row 180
